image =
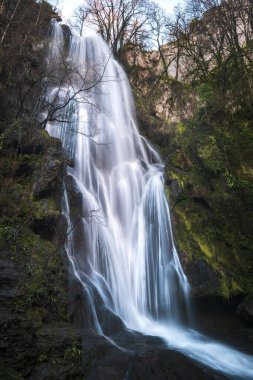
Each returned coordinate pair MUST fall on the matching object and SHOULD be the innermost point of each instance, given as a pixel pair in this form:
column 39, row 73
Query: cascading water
column 120, row 241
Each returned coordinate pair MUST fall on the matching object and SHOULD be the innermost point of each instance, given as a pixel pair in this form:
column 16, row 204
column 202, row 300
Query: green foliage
column 73, row 354
column 43, row 358
column 211, row 155
column 205, row 93
column 231, row 179
column 9, row 235
column 207, row 143
column 39, row 300
column 180, row 128
column 46, row 209
column 210, row 165
column 42, row 277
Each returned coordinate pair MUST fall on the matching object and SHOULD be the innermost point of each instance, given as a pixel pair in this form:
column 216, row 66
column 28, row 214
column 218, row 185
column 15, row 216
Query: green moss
column 46, row 209
column 73, row 354
column 43, row 281
column 9, row 235
column 43, row 285
column 37, row 246
column 209, row 169
column 211, row 155
column 181, row 179
column 43, row 358
column 205, row 93
column 205, row 247
column 204, row 231
column 180, row 129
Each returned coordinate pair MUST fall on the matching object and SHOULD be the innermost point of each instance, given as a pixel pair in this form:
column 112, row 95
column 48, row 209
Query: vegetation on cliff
column 199, row 114
column 38, row 339
column 209, row 173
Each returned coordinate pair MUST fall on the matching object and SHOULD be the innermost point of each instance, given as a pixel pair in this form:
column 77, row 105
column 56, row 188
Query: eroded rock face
column 143, row 358
column 210, row 216
column 38, row 339
column 75, row 197
column 67, row 34
column 245, row 310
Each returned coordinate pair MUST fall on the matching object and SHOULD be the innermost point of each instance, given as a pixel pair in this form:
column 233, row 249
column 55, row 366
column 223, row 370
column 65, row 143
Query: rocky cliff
column 38, row 339
column 207, row 151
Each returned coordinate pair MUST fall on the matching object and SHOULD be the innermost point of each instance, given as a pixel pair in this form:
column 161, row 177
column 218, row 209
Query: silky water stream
column 120, row 240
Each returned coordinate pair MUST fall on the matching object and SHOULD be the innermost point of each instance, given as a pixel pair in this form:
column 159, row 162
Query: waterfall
column 120, row 243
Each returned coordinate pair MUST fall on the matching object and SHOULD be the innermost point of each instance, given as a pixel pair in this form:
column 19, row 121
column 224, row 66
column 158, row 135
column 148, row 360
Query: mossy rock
column 48, row 177
column 202, row 232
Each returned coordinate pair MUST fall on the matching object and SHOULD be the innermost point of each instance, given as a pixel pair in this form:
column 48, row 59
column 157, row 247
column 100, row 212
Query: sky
column 68, row 6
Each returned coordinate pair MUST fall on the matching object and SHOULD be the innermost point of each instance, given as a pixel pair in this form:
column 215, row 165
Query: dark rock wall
column 38, row 339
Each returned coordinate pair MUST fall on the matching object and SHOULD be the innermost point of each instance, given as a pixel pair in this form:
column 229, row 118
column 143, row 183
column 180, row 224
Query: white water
column 120, row 238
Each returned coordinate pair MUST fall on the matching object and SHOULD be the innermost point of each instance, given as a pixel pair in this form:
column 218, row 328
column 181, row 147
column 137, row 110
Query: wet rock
column 66, row 34
column 165, row 364
column 74, row 196
column 48, row 177
column 110, row 322
column 245, row 310
column 106, row 360
column 18, row 342
column 59, row 353
column 216, row 317
column 203, row 280
column 150, row 362
column 61, row 233
column 9, row 276
column 246, row 335
column 79, row 304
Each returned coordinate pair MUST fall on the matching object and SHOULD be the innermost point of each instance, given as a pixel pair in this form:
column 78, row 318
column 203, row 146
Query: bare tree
column 25, row 40
column 158, row 34
column 62, row 87
column 214, row 37
column 120, row 22
column 80, row 15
